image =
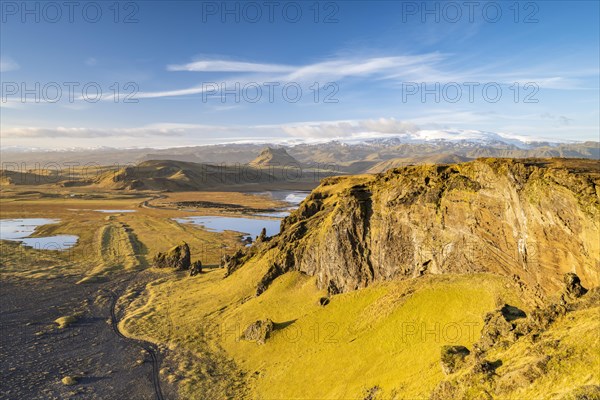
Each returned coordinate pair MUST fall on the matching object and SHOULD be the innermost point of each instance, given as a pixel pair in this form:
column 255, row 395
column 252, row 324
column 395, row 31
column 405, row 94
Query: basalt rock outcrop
column 177, row 257
column 536, row 350
column 530, row 219
column 452, row 358
column 573, row 286
column 196, row 268
column 259, row 331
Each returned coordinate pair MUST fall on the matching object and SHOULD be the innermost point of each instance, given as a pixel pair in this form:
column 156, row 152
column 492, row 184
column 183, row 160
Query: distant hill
column 189, row 176
column 174, row 176
column 354, row 157
column 274, row 157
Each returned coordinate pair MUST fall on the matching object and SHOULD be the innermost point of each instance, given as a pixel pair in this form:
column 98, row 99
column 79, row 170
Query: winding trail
column 147, row 346
column 146, row 203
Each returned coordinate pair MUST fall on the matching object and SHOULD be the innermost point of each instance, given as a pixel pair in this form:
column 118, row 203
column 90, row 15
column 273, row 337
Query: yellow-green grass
column 69, row 380
column 66, row 321
column 107, row 243
column 573, row 345
column 388, row 335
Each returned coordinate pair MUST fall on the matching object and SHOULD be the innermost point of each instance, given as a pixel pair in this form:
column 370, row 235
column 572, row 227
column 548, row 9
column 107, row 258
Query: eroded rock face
column 499, row 327
column 178, row 258
column 452, row 358
column 259, row 331
column 573, row 286
column 232, row 262
column 490, row 215
column 196, row 268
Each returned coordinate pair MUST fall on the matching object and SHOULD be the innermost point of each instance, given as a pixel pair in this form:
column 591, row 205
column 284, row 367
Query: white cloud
column 301, row 131
column 229, row 66
column 81, row 132
column 426, row 68
column 345, row 129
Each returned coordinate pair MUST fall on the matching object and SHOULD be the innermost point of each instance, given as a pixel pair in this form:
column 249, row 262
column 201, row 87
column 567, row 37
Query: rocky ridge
column 532, row 219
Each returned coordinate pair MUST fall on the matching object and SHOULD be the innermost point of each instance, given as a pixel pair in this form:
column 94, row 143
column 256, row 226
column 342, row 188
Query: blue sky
column 377, row 68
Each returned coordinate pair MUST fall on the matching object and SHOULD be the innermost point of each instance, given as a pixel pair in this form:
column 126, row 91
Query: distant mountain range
column 347, row 155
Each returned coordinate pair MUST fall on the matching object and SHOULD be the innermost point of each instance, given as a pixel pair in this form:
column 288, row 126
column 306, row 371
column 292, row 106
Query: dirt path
column 148, row 347
column 35, row 354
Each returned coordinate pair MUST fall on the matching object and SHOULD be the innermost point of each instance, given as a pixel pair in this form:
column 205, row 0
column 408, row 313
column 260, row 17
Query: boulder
column 541, row 318
column 258, row 331
column 233, row 262
column 196, row 268
column 178, row 258
column 587, row 392
column 573, row 286
column 262, row 237
column 453, row 357
column 323, row 301
column 486, row 367
column 496, row 328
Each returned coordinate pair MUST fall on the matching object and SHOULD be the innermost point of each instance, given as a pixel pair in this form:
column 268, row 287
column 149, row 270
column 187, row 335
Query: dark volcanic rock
column 435, row 219
column 177, row 257
column 453, row 358
column 233, row 262
column 486, row 367
column 573, row 286
column 323, row 301
column 497, row 328
column 196, row 268
column 259, row 331
column 541, row 318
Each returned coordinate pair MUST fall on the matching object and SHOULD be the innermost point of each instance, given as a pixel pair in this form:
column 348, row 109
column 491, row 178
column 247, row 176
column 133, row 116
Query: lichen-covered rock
column 196, row 268
column 178, row 258
column 452, row 358
column 232, row 262
column 587, row 392
column 262, row 237
column 486, row 367
column 541, row 318
column 258, row 331
column 498, row 327
column 573, row 286
column 432, row 219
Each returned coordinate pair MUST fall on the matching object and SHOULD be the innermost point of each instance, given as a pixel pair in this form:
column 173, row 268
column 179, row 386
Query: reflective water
column 252, row 225
column 116, row 211
column 249, row 226
column 19, row 229
column 292, row 197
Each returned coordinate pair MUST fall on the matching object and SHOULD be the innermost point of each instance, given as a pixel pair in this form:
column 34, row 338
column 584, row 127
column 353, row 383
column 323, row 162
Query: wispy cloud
column 229, row 66
column 434, row 67
column 82, row 132
column 342, row 129
column 8, row 64
column 290, row 132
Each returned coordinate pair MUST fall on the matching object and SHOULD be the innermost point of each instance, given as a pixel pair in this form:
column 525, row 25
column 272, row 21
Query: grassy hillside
column 489, row 215
column 383, row 341
column 382, row 336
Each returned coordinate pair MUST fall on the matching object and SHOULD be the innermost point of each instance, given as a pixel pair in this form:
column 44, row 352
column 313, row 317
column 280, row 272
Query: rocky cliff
column 531, row 219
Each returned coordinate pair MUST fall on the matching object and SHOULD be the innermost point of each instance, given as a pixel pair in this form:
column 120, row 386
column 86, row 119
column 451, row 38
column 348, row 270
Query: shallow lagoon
column 116, row 211
column 20, row 229
column 248, row 225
